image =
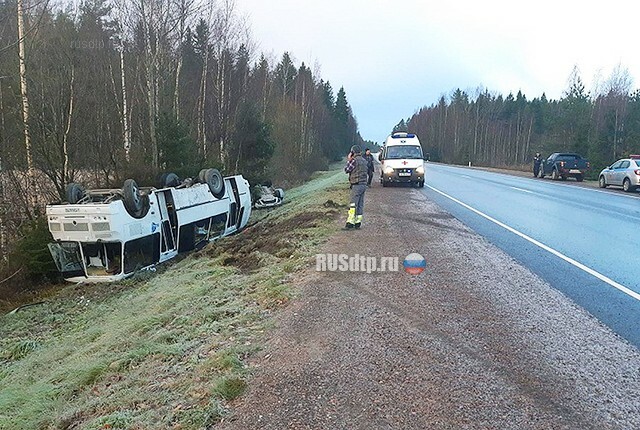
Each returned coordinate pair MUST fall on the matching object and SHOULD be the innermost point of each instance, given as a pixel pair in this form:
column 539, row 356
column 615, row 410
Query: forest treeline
column 489, row 129
column 101, row 91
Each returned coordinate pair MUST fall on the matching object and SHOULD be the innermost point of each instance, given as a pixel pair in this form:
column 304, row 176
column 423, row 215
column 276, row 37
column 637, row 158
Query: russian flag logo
column 414, row 264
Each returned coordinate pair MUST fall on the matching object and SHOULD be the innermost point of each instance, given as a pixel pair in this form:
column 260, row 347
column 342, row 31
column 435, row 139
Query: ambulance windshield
column 404, row 151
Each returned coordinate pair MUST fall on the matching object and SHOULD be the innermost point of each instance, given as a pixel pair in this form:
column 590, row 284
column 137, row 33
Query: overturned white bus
column 107, row 235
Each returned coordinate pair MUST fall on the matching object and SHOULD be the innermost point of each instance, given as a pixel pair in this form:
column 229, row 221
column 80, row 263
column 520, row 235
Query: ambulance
column 402, row 160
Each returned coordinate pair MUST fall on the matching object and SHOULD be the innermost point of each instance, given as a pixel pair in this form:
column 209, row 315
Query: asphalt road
column 475, row 341
column 584, row 242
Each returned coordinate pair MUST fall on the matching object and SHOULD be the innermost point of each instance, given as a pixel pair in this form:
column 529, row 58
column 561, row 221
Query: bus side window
column 187, row 238
column 202, row 230
column 142, row 252
column 194, row 235
column 218, row 224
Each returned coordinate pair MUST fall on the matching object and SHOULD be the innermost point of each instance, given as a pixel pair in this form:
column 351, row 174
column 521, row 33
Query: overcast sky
column 395, row 56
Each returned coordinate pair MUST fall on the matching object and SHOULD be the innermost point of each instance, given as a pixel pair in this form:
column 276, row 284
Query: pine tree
column 285, row 75
column 402, row 126
column 342, row 113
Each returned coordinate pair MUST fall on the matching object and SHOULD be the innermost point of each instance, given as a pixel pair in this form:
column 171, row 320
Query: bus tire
column 136, row 204
column 201, row 178
column 75, row 192
column 215, row 182
column 169, row 180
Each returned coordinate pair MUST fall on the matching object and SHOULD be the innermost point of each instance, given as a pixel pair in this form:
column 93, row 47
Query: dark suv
column 561, row 165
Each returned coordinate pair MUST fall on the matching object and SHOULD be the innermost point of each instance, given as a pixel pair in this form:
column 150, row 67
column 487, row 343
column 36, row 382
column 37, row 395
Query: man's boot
column 358, row 221
column 351, row 218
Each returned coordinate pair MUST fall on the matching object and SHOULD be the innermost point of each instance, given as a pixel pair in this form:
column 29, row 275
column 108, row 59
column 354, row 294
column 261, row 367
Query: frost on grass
column 165, row 349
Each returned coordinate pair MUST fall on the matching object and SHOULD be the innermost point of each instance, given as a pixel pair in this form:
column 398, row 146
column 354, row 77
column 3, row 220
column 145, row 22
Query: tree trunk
column 176, row 93
column 202, row 99
column 3, row 224
column 485, row 144
column 528, row 147
column 237, row 167
column 65, row 136
column 222, row 102
column 518, row 134
column 302, row 121
column 151, row 69
column 32, row 186
column 265, row 96
column 153, row 103
column 475, row 132
column 615, row 137
column 126, row 131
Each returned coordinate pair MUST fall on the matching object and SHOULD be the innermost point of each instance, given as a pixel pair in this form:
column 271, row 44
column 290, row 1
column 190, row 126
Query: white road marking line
column 611, row 192
column 465, row 176
column 558, row 254
column 523, row 190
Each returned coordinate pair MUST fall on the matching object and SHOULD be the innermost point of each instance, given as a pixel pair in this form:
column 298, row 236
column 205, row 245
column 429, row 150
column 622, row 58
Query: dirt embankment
column 476, row 341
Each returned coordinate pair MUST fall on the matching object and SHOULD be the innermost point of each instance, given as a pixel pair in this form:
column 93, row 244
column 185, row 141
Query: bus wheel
column 74, row 192
column 201, row 178
column 169, row 180
column 136, row 204
column 213, row 178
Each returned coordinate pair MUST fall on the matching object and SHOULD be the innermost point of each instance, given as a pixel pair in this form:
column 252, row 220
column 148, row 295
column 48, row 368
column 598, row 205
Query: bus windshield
column 67, row 257
column 100, row 259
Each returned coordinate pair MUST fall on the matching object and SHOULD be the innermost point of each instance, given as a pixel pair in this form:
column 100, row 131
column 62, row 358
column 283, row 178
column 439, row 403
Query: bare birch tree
column 65, row 137
column 155, row 21
column 3, row 205
column 25, row 101
column 185, row 9
column 227, row 32
column 617, row 88
column 126, row 129
column 123, row 20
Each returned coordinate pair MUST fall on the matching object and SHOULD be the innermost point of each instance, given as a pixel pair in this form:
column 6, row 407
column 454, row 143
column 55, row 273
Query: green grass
column 229, row 387
column 167, row 350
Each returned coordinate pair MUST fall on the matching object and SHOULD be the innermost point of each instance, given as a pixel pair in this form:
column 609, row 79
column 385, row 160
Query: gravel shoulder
column 474, row 342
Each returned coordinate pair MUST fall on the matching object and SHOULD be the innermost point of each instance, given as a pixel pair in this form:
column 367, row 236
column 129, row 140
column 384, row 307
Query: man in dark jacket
column 357, row 169
column 370, row 167
column 537, row 161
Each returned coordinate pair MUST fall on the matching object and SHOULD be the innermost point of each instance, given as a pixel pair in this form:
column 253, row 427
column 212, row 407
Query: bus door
column 169, row 221
column 235, row 210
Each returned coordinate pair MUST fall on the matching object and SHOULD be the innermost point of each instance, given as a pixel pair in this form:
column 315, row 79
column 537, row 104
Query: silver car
column 624, row 173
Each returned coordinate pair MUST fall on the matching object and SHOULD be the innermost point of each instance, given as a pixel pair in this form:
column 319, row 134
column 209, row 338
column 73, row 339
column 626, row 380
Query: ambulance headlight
column 388, row 170
column 420, row 170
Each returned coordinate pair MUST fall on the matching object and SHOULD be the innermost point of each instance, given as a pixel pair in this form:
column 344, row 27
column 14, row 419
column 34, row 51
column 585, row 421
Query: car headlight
column 420, row 170
column 388, row 170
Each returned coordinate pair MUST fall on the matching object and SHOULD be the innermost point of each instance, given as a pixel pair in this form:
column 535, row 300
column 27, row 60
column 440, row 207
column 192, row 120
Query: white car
column 402, row 160
column 624, row 173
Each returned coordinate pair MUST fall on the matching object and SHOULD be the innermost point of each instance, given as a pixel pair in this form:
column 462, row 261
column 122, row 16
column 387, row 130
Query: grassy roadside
column 164, row 350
